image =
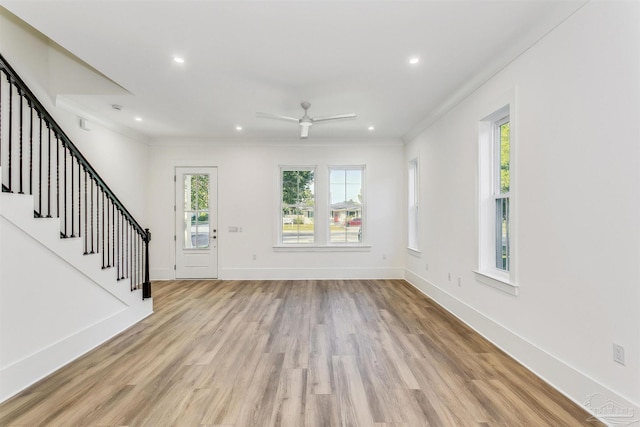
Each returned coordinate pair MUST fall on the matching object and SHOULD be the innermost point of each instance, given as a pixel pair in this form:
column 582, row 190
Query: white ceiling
column 243, row 57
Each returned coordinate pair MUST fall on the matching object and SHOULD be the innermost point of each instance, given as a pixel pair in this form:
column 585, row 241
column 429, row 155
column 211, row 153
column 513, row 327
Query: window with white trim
column 495, row 200
column 297, row 205
column 412, row 199
column 346, row 218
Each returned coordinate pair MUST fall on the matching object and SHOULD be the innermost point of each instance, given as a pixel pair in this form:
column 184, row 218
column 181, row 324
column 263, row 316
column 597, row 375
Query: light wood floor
column 295, row 353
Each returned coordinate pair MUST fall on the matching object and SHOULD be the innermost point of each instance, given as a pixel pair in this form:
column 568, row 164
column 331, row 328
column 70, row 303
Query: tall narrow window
column 196, row 211
column 346, row 204
column 502, row 184
column 412, row 198
column 496, row 192
column 297, row 205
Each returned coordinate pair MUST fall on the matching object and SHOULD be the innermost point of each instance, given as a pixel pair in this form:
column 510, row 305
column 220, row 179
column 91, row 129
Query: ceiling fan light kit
column 305, row 121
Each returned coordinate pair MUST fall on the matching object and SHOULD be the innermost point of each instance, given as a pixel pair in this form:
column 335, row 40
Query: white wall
column 577, row 206
column 248, row 198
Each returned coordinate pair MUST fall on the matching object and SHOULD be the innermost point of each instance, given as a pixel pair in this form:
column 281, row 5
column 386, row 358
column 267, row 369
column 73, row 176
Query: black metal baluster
column 57, row 177
column 10, row 136
column 102, row 231
column 20, row 147
column 108, row 237
column 134, row 277
column 73, row 226
column 92, row 216
column 128, row 250
column 85, row 213
column 49, row 172
column 30, row 149
column 113, row 236
column 79, row 201
column 117, row 244
column 40, row 170
column 0, row 123
column 66, row 234
column 123, row 248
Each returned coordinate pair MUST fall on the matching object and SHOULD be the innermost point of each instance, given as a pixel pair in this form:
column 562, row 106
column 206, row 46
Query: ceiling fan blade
column 277, row 117
column 304, row 131
column 335, row 117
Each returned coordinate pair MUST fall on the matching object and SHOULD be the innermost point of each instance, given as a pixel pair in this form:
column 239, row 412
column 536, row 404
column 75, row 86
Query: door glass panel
column 196, row 212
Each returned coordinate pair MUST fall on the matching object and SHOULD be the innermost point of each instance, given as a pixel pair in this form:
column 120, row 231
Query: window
column 412, row 198
column 297, row 205
column 496, row 191
column 345, row 204
column 501, row 187
column 196, row 211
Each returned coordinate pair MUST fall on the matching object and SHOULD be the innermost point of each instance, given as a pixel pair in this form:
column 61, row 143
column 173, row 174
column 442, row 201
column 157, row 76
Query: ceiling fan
column 305, row 121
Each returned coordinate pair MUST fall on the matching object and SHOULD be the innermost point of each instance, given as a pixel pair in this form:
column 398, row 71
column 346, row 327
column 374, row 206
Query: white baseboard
column 576, row 385
column 31, row 369
column 309, row 273
column 161, row 274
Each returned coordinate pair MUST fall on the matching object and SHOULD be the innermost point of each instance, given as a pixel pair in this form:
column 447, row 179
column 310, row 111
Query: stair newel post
column 146, row 286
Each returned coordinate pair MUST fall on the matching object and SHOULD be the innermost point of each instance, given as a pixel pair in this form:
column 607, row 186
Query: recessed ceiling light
column 238, row 127
column 414, row 60
column 371, row 128
column 138, row 119
column 178, row 59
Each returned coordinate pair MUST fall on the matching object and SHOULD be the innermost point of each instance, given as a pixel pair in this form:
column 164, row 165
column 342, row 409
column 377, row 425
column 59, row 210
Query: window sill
column 495, row 281
column 323, row 248
column 415, row 252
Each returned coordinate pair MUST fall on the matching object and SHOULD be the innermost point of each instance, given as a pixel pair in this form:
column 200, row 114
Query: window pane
column 202, row 229
column 188, row 230
column 505, row 148
column 345, row 224
column 298, row 201
column 196, row 213
column 202, row 194
column 412, row 223
column 502, row 233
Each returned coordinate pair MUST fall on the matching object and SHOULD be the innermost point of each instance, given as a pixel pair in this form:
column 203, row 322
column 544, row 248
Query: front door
column 196, row 223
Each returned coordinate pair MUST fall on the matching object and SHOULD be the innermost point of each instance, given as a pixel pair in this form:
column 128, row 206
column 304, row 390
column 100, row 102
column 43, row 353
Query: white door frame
column 200, row 262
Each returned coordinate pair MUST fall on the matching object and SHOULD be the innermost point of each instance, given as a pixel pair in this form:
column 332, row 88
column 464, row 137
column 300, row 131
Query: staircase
column 74, row 263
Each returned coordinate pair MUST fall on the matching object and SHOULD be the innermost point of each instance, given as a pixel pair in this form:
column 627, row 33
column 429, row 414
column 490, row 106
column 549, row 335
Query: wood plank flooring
column 293, row 353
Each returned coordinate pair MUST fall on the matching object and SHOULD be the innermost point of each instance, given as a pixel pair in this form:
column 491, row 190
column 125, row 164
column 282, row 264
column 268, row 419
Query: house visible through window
column 297, row 206
column 346, row 204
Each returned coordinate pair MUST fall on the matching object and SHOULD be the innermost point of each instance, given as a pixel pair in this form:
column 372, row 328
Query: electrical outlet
column 254, row 257
column 459, row 282
column 618, row 354
column 384, row 256
column 449, row 276
column 426, row 267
